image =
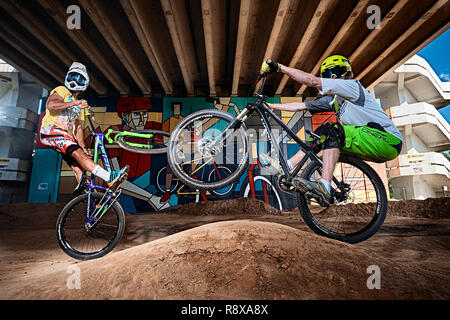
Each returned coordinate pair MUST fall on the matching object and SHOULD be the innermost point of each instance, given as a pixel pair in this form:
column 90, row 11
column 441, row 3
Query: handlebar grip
column 108, row 133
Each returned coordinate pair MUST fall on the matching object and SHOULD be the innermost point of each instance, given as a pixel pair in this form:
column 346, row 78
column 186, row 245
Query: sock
column 290, row 166
column 101, row 173
column 327, row 184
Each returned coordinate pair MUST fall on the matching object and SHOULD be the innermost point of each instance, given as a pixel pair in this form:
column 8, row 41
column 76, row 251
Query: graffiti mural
column 151, row 185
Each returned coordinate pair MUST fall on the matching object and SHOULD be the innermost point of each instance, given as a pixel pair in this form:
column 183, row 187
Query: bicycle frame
column 99, row 149
column 261, row 107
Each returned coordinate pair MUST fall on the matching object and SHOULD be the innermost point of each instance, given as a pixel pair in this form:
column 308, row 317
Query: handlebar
column 90, row 114
column 261, row 80
column 107, row 136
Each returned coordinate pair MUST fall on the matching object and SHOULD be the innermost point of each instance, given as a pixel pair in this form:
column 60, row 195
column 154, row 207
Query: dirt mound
column 239, row 206
column 29, row 215
column 433, row 208
column 237, row 259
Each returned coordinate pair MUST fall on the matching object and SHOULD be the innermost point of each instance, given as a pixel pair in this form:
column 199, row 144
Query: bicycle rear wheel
column 348, row 220
column 196, row 149
column 83, row 244
column 156, row 145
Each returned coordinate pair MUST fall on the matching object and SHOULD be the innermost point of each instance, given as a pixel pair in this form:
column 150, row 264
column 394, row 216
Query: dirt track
column 219, row 251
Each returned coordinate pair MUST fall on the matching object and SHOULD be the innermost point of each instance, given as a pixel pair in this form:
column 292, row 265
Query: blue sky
column 437, row 53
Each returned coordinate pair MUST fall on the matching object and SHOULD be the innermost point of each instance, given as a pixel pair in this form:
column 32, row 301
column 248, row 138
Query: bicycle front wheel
column 361, row 208
column 202, row 144
column 83, row 243
column 155, row 145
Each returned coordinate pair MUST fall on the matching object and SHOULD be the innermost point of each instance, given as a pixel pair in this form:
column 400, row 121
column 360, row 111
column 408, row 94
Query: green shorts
column 371, row 144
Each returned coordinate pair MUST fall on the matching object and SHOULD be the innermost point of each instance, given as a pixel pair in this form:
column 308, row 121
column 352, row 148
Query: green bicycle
column 143, row 141
column 92, row 223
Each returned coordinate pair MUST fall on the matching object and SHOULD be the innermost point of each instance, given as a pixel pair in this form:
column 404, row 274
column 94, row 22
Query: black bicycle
column 209, row 138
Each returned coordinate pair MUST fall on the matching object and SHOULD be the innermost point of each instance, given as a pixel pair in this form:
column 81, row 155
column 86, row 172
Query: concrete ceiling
column 211, row 47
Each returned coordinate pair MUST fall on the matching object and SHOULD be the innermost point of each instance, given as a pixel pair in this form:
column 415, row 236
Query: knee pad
column 332, row 136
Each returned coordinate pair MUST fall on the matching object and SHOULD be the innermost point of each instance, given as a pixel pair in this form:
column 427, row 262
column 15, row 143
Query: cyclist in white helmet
column 62, row 130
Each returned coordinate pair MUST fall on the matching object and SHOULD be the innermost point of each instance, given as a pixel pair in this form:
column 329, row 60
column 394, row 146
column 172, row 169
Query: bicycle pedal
column 121, row 181
column 300, row 187
column 118, row 183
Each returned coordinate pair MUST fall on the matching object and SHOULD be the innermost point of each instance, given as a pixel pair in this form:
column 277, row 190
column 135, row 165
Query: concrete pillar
column 401, row 88
column 19, row 103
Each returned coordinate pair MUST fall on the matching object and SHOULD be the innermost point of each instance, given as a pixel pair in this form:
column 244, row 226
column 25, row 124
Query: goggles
column 335, row 73
column 78, row 78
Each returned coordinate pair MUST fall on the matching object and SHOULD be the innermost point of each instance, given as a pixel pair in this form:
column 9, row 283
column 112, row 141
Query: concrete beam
column 412, row 53
column 244, row 14
column 306, row 40
column 109, row 31
column 281, row 15
column 86, row 45
column 20, row 62
column 11, row 36
column 280, row 18
column 179, row 28
column 385, row 22
column 405, row 35
column 357, row 12
column 209, row 45
column 142, row 26
column 23, row 16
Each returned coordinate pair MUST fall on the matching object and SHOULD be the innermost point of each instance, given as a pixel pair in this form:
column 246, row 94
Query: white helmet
column 77, row 78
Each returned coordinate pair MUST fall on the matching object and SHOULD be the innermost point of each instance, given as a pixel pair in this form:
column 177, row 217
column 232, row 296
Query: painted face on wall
column 176, row 107
column 136, row 120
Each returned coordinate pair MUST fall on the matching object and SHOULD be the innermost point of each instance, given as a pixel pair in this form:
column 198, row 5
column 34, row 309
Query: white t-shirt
column 353, row 104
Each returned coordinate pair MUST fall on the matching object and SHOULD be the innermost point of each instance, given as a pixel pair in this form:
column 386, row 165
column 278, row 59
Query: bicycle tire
column 162, row 187
column 368, row 230
column 219, row 194
column 61, row 229
column 277, row 196
column 160, row 148
column 186, row 178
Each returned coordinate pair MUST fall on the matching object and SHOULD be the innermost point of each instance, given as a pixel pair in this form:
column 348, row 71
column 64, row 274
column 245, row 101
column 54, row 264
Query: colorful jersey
column 65, row 118
column 353, row 105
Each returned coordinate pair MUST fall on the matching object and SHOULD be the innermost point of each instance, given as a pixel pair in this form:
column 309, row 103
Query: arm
column 302, row 77
column 56, row 102
column 324, row 104
column 291, row 106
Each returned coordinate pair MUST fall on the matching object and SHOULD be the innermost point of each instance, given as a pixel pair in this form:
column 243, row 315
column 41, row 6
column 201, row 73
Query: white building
column 412, row 95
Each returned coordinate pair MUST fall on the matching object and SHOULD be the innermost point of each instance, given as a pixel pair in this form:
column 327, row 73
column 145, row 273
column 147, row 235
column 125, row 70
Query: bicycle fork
column 101, row 208
column 234, row 125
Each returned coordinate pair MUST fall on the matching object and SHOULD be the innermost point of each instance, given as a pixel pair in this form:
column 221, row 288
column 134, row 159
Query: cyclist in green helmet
column 363, row 130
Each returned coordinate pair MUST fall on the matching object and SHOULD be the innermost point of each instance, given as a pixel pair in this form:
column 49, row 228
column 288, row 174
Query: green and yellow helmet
column 335, row 67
